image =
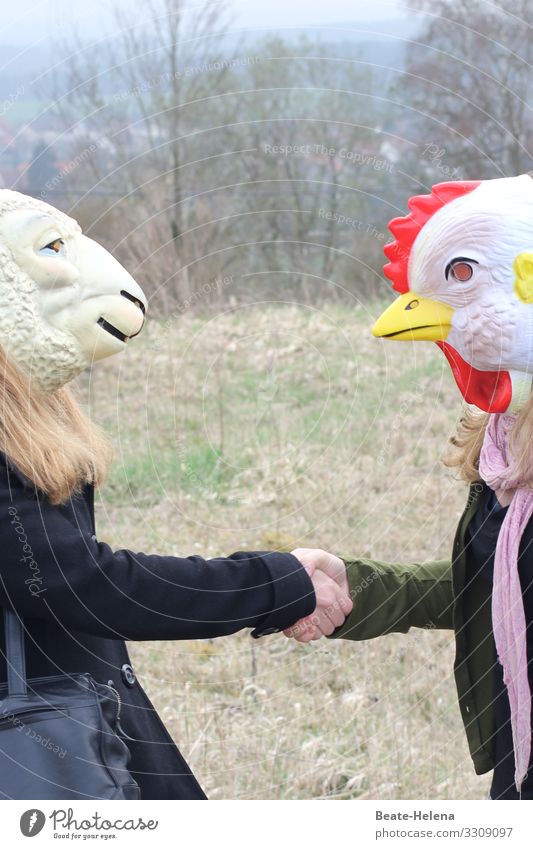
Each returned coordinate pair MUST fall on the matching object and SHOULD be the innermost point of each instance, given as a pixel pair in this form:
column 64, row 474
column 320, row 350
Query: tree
column 136, row 100
column 41, row 170
column 211, row 159
column 467, row 87
column 313, row 191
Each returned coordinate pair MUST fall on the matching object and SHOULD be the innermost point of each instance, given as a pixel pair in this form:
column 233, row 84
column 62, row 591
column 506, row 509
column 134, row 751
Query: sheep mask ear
column 66, row 302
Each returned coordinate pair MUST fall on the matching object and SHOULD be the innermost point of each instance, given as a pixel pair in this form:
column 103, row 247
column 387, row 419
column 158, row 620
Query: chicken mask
column 463, row 263
column 66, row 302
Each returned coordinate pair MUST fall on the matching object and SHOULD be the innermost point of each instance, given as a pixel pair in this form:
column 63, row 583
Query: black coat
column 80, row 600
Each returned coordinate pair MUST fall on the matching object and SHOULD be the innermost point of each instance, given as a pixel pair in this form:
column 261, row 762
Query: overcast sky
column 26, row 21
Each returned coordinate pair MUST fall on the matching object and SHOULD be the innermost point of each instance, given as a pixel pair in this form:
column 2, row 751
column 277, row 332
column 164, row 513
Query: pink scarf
column 496, row 468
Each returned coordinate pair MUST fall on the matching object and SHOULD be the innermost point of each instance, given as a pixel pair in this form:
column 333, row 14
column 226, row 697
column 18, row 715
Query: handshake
column 333, row 602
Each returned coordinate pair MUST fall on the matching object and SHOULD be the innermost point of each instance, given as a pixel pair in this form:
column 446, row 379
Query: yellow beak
column 412, row 317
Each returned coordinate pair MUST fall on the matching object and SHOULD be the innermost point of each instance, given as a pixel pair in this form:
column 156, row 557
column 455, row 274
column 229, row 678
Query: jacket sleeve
column 389, row 597
column 52, row 570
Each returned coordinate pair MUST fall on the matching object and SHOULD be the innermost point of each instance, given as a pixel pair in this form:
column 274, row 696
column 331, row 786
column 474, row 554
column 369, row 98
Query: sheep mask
column 66, row 302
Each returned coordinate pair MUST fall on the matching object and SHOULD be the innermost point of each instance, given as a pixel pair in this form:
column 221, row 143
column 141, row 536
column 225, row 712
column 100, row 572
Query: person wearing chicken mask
column 66, row 303
column 480, row 313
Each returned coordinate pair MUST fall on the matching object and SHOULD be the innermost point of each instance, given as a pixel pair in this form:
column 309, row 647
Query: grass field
column 274, row 426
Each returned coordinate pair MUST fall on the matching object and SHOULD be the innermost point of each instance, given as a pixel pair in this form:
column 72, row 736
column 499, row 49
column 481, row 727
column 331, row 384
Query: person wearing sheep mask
column 67, row 303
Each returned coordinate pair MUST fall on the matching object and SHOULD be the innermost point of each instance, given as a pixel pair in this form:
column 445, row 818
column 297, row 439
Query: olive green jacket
column 392, row 598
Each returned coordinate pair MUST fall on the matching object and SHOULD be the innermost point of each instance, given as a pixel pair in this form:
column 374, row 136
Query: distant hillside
column 24, row 67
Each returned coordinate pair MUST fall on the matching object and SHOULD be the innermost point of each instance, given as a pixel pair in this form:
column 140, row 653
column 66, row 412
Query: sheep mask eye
column 66, row 301
column 55, row 247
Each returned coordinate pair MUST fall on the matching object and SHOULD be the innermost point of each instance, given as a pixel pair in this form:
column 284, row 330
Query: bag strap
column 15, row 654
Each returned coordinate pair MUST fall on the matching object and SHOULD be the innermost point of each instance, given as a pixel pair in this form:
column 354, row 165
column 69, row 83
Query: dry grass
column 273, row 426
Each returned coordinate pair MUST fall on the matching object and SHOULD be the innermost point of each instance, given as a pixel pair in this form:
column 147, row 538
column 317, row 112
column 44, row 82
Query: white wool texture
column 49, row 357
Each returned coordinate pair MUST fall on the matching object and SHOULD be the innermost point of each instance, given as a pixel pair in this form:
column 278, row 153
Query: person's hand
column 333, row 602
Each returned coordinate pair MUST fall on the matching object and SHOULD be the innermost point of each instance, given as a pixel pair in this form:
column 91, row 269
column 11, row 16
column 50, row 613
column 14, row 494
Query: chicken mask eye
column 461, row 269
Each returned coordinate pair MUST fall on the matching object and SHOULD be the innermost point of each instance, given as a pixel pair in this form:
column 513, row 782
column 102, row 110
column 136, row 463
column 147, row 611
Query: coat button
column 128, row 675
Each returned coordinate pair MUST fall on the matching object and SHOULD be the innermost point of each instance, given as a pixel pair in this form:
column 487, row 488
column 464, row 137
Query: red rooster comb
column 405, row 229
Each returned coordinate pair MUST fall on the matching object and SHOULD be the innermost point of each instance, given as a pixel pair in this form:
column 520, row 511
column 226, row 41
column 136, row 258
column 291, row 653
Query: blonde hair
column 48, row 438
column 467, row 441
